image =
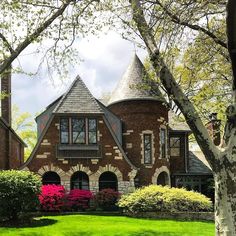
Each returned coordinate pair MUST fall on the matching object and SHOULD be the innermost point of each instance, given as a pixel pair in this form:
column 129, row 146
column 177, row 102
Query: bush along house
column 127, row 143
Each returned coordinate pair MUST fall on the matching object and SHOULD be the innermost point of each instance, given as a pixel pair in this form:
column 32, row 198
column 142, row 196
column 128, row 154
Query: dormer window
column 78, row 130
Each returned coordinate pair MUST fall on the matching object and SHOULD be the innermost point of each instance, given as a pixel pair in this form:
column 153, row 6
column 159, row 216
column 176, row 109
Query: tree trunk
column 225, row 200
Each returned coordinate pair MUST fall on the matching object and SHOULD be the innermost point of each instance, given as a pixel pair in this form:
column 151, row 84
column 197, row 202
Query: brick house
column 11, row 145
column 127, row 143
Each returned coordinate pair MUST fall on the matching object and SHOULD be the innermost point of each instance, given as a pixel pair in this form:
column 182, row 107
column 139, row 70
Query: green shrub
column 155, row 198
column 18, row 193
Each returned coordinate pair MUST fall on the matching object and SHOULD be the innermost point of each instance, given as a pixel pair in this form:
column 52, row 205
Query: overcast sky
column 104, row 61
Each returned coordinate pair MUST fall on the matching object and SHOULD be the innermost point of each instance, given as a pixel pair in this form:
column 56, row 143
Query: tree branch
column 7, row 44
column 177, row 20
column 8, row 61
column 192, row 118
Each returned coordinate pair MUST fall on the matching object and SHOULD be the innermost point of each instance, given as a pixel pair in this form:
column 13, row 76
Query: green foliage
column 18, row 192
column 158, row 198
column 25, row 127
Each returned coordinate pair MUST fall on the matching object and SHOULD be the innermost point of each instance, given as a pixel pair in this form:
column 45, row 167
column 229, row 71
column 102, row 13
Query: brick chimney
column 6, row 101
column 213, row 127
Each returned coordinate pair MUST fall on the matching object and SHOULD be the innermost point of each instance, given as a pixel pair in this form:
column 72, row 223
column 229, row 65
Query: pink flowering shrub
column 78, row 199
column 52, row 197
column 107, row 199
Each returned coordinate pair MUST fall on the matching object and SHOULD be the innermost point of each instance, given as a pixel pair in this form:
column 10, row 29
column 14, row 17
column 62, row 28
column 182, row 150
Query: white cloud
column 104, row 60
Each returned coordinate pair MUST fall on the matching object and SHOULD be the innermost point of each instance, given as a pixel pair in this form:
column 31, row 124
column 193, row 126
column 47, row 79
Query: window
column 162, row 179
column 147, row 138
column 80, row 180
column 64, row 130
column 51, row 177
column 108, row 180
column 175, row 146
column 163, row 143
column 92, row 131
column 78, row 130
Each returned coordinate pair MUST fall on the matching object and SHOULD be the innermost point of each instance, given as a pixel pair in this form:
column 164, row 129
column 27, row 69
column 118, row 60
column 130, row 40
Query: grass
column 95, row 225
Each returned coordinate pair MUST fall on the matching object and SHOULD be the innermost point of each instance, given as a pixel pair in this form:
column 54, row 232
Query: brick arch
column 51, row 167
column 158, row 172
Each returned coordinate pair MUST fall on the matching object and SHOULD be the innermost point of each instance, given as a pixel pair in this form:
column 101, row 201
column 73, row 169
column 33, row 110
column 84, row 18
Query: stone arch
column 79, row 180
column 108, row 179
column 79, row 167
column 160, row 171
column 53, row 168
column 94, row 178
column 110, row 168
column 51, row 177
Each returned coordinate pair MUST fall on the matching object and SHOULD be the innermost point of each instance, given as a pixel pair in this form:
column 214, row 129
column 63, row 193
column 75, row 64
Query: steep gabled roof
column 198, row 163
column 135, row 85
column 4, row 124
column 78, row 100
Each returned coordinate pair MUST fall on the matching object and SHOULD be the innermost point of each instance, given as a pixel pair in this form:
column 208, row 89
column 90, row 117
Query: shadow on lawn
column 32, row 223
column 152, row 233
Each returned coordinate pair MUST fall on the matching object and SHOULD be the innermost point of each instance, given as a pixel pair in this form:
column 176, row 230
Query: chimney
column 213, row 127
column 6, row 101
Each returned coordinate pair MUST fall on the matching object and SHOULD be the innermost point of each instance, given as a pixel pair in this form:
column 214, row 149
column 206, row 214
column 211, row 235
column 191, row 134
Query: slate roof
column 198, row 163
column 176, row 124
column 135, row 85
column 78, row 100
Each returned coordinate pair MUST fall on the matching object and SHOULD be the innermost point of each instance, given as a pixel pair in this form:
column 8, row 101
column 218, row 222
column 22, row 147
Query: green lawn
column 85, row 225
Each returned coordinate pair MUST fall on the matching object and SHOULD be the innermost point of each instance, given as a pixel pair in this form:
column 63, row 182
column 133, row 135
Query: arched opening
column 108, row 180
column 51, row 177
column 163, row 179
column 80, row 180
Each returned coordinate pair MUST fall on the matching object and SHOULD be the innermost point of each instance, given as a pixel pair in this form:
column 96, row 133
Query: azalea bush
column 155, row 198
column 107, row 199
column 18, row 193
column 78, row 199
column 52, row 197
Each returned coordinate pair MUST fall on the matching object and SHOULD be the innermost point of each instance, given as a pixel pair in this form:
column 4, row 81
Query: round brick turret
column 142, row 112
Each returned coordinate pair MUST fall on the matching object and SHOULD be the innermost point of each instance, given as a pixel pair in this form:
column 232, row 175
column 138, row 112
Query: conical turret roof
column 135, row 85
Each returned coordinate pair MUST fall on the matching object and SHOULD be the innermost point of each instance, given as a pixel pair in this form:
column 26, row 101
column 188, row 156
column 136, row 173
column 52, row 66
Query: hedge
column 155, row 198
column 18, row 193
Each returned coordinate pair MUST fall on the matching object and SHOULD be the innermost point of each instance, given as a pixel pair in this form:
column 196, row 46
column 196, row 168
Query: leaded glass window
column 64, row 130
column 92, row 131
column 175, row 146
column 78, row 130
column 163, row 143
column 147, row 148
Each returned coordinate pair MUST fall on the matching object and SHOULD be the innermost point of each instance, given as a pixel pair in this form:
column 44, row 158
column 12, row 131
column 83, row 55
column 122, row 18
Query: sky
column 104, row 60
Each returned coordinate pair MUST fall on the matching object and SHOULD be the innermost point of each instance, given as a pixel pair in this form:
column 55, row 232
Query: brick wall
column 139, row 117
column 3, row 147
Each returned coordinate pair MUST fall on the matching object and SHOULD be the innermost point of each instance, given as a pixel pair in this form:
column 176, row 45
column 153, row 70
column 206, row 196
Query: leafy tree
column 24, row 126
column 222, row 160
column 50, row 27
